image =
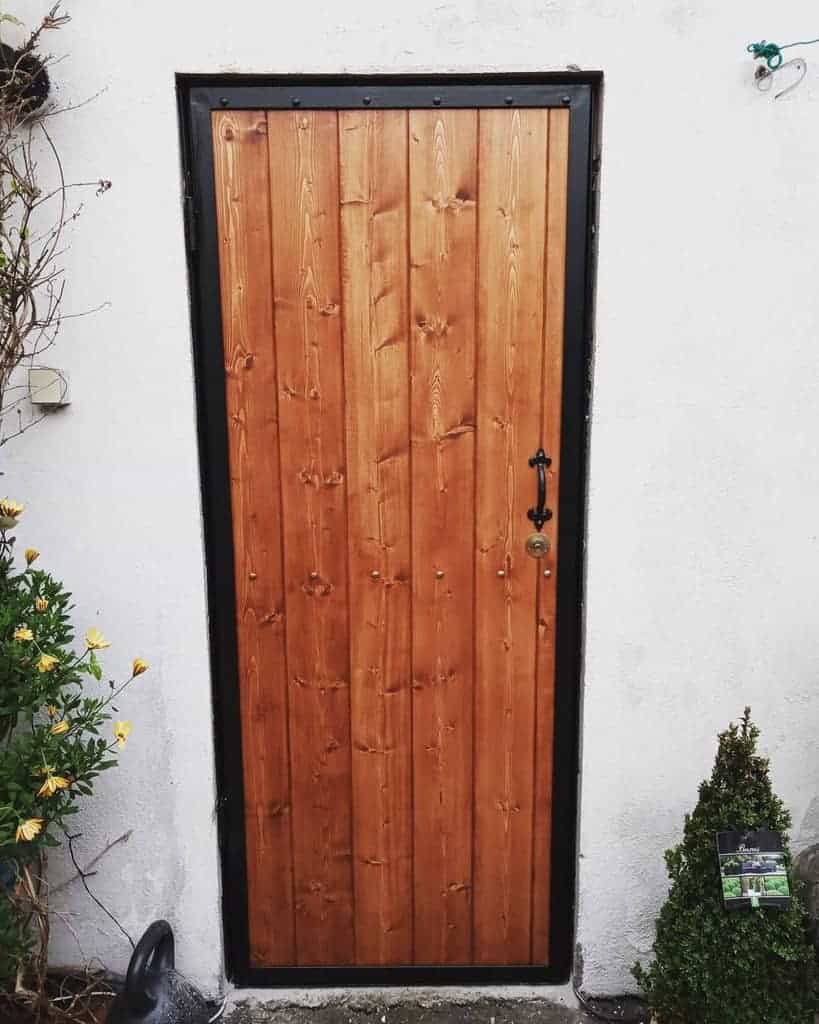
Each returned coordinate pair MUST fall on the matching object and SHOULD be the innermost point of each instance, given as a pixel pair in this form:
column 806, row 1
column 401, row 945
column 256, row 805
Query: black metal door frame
column 198, row 96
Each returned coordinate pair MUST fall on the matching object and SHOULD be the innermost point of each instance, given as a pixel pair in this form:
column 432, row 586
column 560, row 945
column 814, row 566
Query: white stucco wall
column 704, row 486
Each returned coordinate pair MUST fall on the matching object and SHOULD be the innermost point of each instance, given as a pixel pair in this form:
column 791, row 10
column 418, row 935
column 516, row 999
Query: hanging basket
column 24, row 81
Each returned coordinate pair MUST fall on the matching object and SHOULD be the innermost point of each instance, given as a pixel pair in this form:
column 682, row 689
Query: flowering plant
column 55, row 737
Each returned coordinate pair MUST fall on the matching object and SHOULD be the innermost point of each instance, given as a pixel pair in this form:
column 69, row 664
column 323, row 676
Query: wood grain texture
column 392, row 291
column 241, row 181
column 373, row 161
column 304, row 193
column 556, row 211
column 512, row 223
column 443, row 184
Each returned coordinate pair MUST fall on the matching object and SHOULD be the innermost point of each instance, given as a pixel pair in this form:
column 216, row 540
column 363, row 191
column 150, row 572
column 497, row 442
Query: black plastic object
column 154, row 992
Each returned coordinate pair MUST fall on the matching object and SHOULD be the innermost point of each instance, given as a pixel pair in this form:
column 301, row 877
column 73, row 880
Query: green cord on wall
column 772, row 54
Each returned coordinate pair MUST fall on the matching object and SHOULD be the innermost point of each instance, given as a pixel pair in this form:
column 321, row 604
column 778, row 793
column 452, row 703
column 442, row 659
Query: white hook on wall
column 765, row 76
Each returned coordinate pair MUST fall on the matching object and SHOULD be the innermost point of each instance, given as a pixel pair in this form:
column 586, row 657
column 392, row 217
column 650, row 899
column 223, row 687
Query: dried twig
column 33, row 218
column 84, row 876
column 86, row 871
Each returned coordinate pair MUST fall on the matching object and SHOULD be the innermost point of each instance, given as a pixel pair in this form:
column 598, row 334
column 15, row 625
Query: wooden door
column 392, row 288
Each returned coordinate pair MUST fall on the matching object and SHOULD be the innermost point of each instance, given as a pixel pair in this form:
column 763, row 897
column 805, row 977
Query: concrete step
column 481, row 1011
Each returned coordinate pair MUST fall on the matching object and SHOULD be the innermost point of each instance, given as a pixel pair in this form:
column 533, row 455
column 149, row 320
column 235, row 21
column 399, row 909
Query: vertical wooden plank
column 443, row 190
column 556, row 200
column 241, row 180
column 373, row 171
column 511, row 283
column 305, row 212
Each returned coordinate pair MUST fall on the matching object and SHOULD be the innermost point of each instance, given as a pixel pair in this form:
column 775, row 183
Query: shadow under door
column 391, row 283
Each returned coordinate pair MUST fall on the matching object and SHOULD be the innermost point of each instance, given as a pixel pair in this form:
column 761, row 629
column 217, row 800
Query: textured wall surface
column 704, row 481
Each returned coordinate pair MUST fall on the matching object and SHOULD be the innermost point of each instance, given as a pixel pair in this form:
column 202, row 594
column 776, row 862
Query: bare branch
column 33, row 215
column 84, row 876
column 94, row 861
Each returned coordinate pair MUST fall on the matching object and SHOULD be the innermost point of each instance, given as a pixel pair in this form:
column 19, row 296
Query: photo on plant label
column 753, row 870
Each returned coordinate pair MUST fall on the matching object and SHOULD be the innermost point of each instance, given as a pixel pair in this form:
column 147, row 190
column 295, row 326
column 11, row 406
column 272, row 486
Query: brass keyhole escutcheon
column 537, row 545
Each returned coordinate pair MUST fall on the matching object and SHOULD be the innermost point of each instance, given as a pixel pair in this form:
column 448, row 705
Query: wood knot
column 364, row 748
column 455, row 432
column 317, row 588
column 453, row 204
column 434, row 326
column 458, row 887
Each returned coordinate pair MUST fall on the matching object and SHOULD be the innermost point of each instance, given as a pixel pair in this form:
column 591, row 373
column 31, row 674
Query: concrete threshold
column 445, row 1005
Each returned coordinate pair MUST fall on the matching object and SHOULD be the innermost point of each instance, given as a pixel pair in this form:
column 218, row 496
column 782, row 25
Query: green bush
column 712, row 965
column 56, row 737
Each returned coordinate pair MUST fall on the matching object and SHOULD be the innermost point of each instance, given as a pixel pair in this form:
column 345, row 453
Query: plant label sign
column 752, row 869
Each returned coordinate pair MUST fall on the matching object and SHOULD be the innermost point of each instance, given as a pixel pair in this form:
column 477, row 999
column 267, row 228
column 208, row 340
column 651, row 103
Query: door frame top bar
column 387, row 92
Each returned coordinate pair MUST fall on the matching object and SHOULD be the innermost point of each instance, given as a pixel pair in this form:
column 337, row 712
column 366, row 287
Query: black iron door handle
column 540, row 514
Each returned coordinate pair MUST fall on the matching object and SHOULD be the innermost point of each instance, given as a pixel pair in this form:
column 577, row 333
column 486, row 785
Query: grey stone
column 806, row 870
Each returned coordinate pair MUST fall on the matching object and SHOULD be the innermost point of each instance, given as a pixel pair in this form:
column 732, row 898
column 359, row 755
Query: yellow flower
column 23, row 633
column 41, row 604
column 60, row 727
column 52, row 710
column 52, row 784
column 122, row 730
column 95, row 641
column 47, row 663
column 139, row 666
column 31, row 555
column 10, row 512
column 30, row 829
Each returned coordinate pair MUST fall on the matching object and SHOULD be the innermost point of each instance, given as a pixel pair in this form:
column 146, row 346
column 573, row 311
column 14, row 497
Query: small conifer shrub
column 712, row 965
